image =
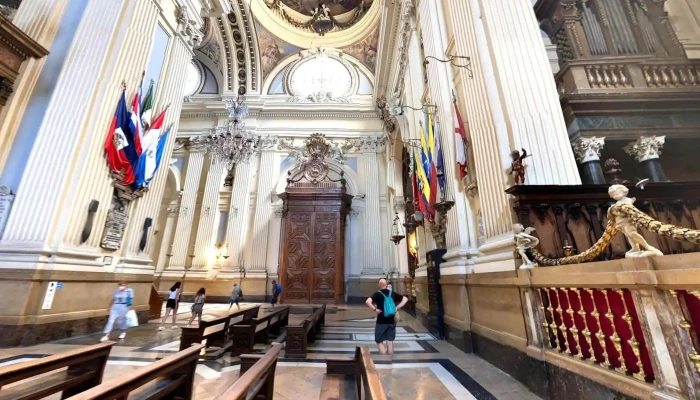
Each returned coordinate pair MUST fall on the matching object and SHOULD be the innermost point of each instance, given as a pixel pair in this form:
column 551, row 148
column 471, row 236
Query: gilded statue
column 624, row 225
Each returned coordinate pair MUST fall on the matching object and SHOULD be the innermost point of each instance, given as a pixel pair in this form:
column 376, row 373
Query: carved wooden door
column 324, row 261
column 298, row 251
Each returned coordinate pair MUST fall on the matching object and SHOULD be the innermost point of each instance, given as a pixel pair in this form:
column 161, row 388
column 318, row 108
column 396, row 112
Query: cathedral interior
column 226, row 199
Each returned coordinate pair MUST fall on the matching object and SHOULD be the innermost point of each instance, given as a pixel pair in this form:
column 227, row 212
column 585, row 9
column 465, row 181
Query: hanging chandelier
column 232, row 144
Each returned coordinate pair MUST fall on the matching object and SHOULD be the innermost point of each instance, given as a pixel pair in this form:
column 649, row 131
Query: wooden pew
column 85, row 369
column 299, row 336
column 215, row 330
column 173, row 377
column 257, row 379
column 363, row 369
column 243, row 336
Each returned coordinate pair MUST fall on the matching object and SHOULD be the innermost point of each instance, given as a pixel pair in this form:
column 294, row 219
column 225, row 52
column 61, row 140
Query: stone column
column 263, row 204
column 205, row 229
column 166, row 247
column 237, row 228
column 181, row 244
column 587, row 152
column 354, row 252
column 49, row 170
column 646, row 150
column 372, row 228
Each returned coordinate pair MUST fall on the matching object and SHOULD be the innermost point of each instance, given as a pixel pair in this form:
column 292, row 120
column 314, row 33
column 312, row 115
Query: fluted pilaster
column 263, row 204
column 205, row 229
column 165, row 247
column 174, row 75
column 372, row 220
column 239, row 209
column 94, row 182
column 39, row 19
column 188, row 203
column 46, row 180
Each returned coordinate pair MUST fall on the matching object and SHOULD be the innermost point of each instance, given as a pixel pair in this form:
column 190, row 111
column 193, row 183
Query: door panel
column 325, row 252
column 298, row 242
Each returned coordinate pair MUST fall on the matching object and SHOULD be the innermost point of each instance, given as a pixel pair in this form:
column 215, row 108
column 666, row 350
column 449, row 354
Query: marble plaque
column 6, row 199
column 114, row 228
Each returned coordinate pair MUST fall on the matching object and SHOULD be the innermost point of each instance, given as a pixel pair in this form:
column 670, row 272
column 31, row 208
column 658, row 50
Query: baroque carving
column 373, row 144
column 319, row 97
column 319, row 18
column 187, row 28
column 212, row 51
column 645, row 147
column 408, row 13
column 268, row 143
column 588, row 149
column 387, row 113
column 302, row 155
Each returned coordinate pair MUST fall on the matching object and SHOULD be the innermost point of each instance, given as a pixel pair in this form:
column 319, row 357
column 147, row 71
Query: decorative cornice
column 251, row 47
column 283, row 114
column 408, row 14
column 268, row 143
column 319, row 98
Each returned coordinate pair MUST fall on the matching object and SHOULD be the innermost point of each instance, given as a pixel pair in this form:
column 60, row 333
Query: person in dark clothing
column 385, row 329
column 276, row 290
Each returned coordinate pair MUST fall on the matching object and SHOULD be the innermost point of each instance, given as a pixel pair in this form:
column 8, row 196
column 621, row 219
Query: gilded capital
column 645, row 147
column 588, row 149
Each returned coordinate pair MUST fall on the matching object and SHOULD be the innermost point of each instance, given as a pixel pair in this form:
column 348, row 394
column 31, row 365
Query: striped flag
column 150, row 139
column 149, row 162
column 147, row 107
column 423, row 173
column 432, row 158
column 439, row 161
column 119, row 144
column 461, row 144
column 135, row 122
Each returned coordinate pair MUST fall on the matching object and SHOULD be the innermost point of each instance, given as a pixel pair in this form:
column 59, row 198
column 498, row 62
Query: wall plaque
column 115, row 226
column 6, row 199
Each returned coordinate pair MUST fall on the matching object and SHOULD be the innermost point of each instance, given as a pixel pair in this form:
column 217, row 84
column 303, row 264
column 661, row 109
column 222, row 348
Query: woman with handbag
column 198, row 305
column 121, row 303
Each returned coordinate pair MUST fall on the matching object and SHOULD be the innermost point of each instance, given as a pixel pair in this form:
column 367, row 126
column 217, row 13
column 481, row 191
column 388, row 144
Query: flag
column 150, row 139
column 149, row 161
column 146, row 107
column 119, row 143
column 432, row 156
column 461, row 144
column 439, row 161
column 419, row 197
column 423, row 169
column 135, row 125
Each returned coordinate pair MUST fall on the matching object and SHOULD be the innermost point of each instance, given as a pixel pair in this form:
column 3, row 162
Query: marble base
column 34, row 334
column 459, row 338
column 544, row 379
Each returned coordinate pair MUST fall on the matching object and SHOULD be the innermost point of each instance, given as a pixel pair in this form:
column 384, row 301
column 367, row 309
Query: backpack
column 278, row 288
column 389, row 306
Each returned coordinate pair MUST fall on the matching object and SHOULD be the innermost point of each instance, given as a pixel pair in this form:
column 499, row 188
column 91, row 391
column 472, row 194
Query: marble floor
column 421, row 368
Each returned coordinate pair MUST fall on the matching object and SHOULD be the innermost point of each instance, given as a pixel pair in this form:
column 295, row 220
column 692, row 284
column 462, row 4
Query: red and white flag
column 461, row 144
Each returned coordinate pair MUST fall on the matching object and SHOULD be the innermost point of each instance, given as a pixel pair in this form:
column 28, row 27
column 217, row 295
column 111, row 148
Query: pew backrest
column 175, row 374
column 85, row 370
column 258, row 380
column 369, row 376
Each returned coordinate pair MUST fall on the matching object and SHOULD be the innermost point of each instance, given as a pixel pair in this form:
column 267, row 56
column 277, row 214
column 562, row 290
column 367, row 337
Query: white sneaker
column 104, row 338
column 161, row 328
column 173, row 327
column 122, row 335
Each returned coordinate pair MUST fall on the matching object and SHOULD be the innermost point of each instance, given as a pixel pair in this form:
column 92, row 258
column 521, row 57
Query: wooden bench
column 214, row 330
column 363, row 369
column 299, row 336
column 257, row 379
column 173, row 378
column 244, row 336
column 85, row 369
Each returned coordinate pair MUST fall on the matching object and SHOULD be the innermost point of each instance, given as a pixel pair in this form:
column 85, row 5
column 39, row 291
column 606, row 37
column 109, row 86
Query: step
column 338, row 387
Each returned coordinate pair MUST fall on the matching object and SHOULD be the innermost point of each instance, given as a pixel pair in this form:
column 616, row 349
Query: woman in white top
column 171, row 305
column 122, row 300
column 198, row 305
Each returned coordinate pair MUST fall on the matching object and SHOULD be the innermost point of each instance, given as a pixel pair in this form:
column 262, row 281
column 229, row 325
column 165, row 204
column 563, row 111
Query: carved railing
column 688, row 302
column 570, row 219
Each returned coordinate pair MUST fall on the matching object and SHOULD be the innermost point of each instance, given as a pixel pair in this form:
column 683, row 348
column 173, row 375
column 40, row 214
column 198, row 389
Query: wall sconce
column 467, row 63
column 398, row 110
column 221, row 252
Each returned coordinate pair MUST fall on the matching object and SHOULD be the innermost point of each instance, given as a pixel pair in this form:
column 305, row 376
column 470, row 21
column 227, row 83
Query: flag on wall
column 423, row 173
column 119, row 144
column 439, row 161
column 461, row 144
column 135, row 123
column 419, row 197
column 147, row 107
column 149, row 161
column 150, row 139
column 432, row 157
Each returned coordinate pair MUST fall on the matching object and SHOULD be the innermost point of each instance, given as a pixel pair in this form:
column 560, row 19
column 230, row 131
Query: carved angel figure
column 524, row 242
column 624, row 225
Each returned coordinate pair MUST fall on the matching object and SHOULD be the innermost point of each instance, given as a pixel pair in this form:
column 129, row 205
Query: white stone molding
column 645, row 147
column 319, row 97
column 189, row 198
column 408, row 23
column 373, row 144
column 187, row 28
column 263, row 207
column 268, row 143
column 205, row 227
column 372, row 216
column 588, row 148
column 237, row 228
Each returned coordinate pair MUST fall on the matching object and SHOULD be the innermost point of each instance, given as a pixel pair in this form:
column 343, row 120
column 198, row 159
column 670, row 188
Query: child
column 198, row 306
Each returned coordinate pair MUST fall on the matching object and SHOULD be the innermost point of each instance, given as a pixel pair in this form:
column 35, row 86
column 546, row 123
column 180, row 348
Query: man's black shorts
column 384, row 332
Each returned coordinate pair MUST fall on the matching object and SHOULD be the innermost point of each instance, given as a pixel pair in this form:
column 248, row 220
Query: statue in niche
column 524, row 242
column 517, row 168
column 624, row 225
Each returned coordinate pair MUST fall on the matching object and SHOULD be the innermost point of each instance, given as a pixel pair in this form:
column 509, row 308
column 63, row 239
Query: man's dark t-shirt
column 378, row 301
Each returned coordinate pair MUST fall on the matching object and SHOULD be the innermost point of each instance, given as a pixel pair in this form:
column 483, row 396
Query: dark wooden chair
column 173, row 378
column 155, row 304
column 244, row 336
column 299, row 336
column 257, row 379
column 85, row 369
column 214, row 330
column 363, row 369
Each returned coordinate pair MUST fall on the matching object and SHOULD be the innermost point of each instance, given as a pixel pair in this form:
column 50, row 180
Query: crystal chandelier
column 232, row 144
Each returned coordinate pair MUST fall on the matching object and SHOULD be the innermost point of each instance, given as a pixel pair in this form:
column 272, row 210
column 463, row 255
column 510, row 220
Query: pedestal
column 436, row 313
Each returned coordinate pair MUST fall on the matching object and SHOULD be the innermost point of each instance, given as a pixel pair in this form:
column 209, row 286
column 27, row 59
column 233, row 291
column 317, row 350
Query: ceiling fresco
column 272, row 49
column 320, row 16
column 336, row 7
column 365, row 50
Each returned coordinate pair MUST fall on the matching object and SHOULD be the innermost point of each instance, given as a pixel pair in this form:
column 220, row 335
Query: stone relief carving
column 213, row 52
column 187, row 28
column 301, row 153
column 386, row 114
column 408, row 14
column 319, row 97
column 588, row 149
column 645, row 147
column 373, row 144
column 268, row 143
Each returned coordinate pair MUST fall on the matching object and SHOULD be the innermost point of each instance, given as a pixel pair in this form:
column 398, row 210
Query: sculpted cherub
column 524, row 242
column 624, row 225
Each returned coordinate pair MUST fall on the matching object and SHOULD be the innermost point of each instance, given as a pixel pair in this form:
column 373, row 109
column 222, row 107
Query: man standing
column 235, row 296
column 384, row 303
column 276, row 290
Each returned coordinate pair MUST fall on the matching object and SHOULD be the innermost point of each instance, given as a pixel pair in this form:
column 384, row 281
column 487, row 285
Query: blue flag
column 149, row 161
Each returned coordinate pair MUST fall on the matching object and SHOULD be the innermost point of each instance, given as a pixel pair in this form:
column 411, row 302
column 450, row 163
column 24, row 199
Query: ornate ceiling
column 320, row 16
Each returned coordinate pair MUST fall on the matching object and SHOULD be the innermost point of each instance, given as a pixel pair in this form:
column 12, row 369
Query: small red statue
column 517, row 169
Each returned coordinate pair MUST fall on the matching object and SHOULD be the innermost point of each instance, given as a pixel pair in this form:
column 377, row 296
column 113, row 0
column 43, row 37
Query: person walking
column 198, row 306
column 171, row 305
column 276, row 290
column 385, row 303
column 122, row 300
column 236, row 295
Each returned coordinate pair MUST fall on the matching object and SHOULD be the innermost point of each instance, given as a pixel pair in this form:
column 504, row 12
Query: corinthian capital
column 645, row 147
column 588, row 149
column 268, row 143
